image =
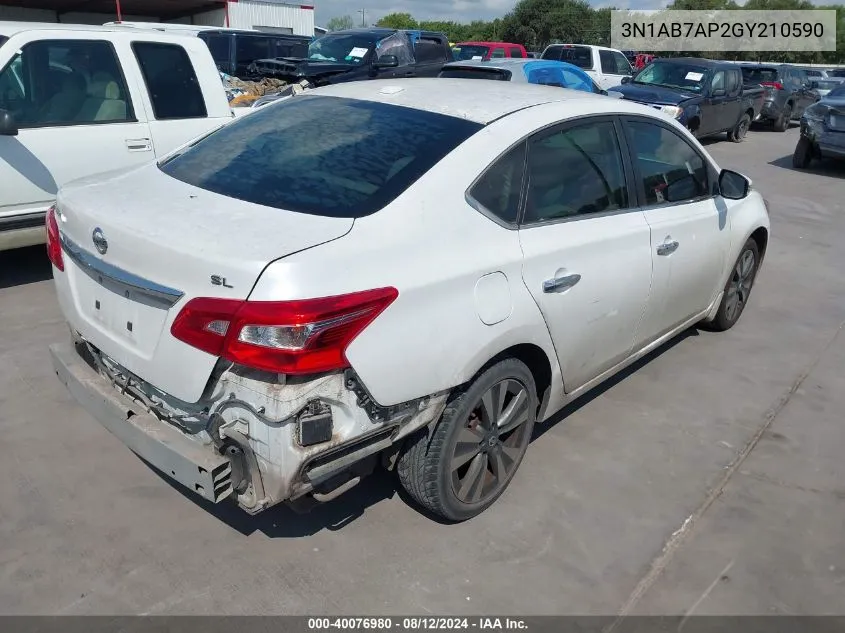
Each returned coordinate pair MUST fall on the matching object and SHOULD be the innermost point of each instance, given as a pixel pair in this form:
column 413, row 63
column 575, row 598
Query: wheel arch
column 538, row 363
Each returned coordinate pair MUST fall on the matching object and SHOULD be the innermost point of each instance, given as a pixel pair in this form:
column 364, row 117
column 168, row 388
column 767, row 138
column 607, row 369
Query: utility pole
column 363, row 13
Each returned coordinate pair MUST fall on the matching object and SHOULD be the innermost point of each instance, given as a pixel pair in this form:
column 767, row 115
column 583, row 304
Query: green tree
column 340, row 23
column 398, row 21
column 549, row 21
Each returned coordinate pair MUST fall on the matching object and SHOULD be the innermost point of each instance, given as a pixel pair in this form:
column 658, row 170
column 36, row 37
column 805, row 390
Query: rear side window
column 323, row 156
column 581, row 56
column 429, row 52
column 500, row 188
column 248, row 49
column 171, row 81
column 733, row 82
column 608, row 63
column 552, row 52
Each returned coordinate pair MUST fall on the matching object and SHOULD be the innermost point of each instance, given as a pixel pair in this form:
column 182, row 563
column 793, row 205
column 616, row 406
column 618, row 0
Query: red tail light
column 772, row 84
column 54, row 243
column 288, row 337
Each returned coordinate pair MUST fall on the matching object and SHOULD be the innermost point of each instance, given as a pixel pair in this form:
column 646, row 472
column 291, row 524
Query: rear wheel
column 782, row 123
column 738, row 133
column 461, row 466
column 803, row 154
column 738, row 288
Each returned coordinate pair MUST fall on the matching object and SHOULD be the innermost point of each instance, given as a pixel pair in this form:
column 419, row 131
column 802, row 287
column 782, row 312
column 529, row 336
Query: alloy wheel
column 740, row 286
column 489, row 445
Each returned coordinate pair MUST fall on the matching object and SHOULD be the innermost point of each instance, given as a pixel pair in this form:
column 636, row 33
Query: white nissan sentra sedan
column 406, row 275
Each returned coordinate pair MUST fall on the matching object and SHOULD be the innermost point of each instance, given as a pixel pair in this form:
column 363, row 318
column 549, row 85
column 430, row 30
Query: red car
column 642, row 60
column 466, row 51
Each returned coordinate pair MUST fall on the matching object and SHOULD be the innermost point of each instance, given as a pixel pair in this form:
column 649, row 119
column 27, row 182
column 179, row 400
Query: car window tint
column 663, row 160
column 219, row 45
column 623, row 66
column 321, row 155
column 575, row 171
column 608, row 64
column 497, row 53
column 718, row 81
column 65, row 82
column 499, row 189
column 171, row 81
column 427, row 51
column 552, row 52
column 732, row 82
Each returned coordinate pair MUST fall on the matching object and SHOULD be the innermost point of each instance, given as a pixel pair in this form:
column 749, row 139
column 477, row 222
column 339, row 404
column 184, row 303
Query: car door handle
column 139, row 145
column 558, row 284
column 667, row 248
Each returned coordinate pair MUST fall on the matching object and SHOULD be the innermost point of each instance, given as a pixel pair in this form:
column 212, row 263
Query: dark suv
column 788, row 92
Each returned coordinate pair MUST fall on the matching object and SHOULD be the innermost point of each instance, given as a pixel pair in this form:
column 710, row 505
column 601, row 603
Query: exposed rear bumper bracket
column 196, row 466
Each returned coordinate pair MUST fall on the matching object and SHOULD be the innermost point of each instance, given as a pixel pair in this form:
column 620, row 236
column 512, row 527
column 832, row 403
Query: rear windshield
column 476, row 73
column 581, row 56
column 324, row 156
column 759, row 75
column 464, row 53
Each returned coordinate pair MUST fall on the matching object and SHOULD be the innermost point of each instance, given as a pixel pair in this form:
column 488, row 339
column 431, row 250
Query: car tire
column 782, row 123
column 460, row 466
column 738, row 287
column 803, row 154
column 737, row 134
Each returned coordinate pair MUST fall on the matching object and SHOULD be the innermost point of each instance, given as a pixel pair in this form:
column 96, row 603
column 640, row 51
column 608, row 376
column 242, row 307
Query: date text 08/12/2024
column 723, row 29
column 416, row 624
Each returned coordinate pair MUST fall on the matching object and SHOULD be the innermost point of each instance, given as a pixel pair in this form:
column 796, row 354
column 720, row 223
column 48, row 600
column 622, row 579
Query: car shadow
column 282, row 521
column 579, row 403
column 23, row 266
column 825, row 167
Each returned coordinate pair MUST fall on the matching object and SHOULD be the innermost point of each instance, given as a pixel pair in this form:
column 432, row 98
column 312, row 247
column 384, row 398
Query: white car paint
column 606, row 75
column 36, row 162
column 469, row 287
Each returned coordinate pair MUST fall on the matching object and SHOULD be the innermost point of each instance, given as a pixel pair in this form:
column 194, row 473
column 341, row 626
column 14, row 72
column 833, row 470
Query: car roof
column 698, row 61
column 497, row 64
column 13, row 28
column 479, row 101
column 484, row 43
column 565, row 45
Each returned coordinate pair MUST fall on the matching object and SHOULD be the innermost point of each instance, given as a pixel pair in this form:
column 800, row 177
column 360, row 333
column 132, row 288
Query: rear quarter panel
column 431, row 245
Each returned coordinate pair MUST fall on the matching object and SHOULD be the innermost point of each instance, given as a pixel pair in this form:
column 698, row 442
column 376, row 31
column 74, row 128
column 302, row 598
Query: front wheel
column 461, row 466
column 803, row 154
column 738, row 288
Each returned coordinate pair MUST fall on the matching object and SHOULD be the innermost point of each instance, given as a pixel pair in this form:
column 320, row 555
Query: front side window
column 669, row 168
column 574, row 172
column 171, row 81
column 65, row 82
column 623, row 66
column 500, row 188
column 324, row 156
column 718, row 82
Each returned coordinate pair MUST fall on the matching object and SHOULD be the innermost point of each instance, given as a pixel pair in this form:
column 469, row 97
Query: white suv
column 413, row 272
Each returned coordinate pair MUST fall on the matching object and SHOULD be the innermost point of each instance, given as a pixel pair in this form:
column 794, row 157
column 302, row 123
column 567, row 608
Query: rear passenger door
column 586, row 246
column 173, row 100
column 77, row 115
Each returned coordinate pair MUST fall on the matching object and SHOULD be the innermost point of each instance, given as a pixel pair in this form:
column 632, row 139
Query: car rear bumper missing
column 195, row 465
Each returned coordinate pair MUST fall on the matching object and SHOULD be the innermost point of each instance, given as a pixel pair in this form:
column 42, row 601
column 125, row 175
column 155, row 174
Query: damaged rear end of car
column 240, row 398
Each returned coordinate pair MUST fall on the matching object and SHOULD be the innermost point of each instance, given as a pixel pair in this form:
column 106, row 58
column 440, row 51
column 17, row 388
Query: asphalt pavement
column 707, row 479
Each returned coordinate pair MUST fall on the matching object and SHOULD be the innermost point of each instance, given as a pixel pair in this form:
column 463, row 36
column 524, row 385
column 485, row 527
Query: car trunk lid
column 142, row 244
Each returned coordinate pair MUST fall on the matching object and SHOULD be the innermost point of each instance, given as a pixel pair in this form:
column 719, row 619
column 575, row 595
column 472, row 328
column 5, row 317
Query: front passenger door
column 586, row 247
column 690, row 234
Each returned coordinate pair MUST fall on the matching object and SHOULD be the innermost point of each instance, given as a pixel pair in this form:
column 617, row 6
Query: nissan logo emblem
column 100, row 242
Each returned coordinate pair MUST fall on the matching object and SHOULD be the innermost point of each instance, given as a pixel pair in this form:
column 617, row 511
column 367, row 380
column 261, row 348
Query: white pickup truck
column 76, row 101
column 606, row 66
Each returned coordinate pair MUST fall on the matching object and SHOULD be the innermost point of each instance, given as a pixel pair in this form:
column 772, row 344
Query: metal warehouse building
column 264, row 15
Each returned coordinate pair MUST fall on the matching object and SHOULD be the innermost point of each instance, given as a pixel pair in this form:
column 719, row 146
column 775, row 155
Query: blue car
column 533, row 71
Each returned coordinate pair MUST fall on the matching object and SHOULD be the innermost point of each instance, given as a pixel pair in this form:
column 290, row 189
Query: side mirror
column 719, row 92
column 733, row 185
column 386, row 61
column 627, row 80
column 8, row 127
